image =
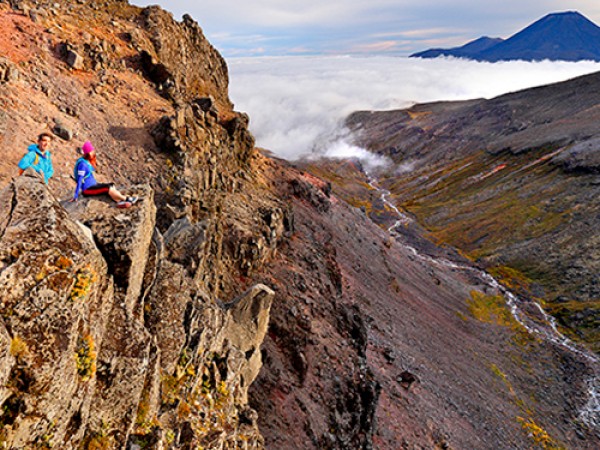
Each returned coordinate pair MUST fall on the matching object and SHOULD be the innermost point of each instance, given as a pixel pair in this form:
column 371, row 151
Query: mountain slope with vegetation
column 512, row 182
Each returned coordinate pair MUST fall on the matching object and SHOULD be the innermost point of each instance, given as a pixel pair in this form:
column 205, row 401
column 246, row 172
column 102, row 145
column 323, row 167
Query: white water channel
column 403, row 219
column 545, row 327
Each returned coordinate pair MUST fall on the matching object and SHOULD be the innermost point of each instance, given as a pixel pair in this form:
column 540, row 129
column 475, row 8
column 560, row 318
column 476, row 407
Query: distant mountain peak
column 565, row 35
column 565, row 13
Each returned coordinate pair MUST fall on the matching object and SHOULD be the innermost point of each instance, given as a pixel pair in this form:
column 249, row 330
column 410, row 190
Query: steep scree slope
column 366, row 336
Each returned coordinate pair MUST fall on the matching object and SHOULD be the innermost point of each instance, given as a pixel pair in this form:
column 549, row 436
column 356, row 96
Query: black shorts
column 97, row 189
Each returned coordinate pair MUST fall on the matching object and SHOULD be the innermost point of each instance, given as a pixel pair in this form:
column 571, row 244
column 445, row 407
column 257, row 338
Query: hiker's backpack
column 36, row 160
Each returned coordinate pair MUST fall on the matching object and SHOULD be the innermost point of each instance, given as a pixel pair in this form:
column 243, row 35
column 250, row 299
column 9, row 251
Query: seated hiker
column 87, row 184
column 38, row 157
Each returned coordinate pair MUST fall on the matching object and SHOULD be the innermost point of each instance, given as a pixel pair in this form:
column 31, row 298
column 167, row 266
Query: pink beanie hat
column 87, row 148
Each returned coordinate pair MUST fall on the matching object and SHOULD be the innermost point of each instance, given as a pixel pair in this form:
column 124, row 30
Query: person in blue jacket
column 87, row 184
column 39, row 158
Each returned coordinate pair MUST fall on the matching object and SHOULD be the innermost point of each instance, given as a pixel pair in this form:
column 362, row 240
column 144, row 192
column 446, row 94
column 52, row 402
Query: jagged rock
column 582, row 157
column 124, row 368
column 389, row 355
column 205, row 104
column 129, row 323
column 123, row 237
column 179, row 52
column 182, row 236
column 7, row 362
column 246, row 329
column 406, row 379
column 8, row 71
column 54, row 294
column 307, row 191
column 351, row 322
column 166, row 337
column 70, row 53
column 155, row 71
column 169, row 309
column 74, row 60
column 37, row 15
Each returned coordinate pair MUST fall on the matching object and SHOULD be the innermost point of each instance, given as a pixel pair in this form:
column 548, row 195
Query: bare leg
column 116, row 195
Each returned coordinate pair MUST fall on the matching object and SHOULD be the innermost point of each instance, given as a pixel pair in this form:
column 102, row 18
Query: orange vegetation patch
column 16, row 33
column 418, row 114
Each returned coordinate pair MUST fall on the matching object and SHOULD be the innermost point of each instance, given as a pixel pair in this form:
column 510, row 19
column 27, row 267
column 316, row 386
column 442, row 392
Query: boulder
column 38, row 15
column 581, row 157
column 246, row 328
column 71, row 55
column 62, row 130
column 74, row 60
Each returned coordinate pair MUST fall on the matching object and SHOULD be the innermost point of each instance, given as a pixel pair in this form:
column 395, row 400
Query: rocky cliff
column 145, row 328
column 108, row 341
column 124, row 328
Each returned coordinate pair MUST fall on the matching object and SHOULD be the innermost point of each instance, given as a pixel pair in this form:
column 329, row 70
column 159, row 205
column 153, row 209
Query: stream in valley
column 526, row 311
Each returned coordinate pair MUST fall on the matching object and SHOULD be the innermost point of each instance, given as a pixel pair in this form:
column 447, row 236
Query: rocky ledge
column 106, row 341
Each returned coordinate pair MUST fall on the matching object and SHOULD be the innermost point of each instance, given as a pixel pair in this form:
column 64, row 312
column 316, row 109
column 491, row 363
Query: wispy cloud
column 247, row 38
column 247, row 51
column 375, row 47
column 297, row 104
column 420, row 34
column 329, row 27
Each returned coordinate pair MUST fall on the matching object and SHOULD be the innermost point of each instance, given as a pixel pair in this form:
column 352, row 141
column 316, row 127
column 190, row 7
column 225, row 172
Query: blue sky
column 358, row 27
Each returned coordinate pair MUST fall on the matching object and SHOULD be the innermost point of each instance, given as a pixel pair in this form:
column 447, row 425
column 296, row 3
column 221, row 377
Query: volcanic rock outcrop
column 117, row 328
column 96, row 337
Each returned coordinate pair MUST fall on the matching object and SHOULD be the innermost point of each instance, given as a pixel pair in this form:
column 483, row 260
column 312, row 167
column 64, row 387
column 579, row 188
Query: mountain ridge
column 471, row 48
column 565, row 36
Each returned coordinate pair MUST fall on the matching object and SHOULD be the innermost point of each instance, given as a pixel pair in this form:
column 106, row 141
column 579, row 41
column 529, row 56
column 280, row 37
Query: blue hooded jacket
column 38, row 161
column 84, row 176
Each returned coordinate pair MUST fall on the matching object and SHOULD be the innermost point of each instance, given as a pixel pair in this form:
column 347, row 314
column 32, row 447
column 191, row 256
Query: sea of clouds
column 297, row 105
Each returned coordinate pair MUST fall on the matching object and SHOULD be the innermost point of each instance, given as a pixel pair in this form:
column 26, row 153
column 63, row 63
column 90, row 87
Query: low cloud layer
column 297, row 104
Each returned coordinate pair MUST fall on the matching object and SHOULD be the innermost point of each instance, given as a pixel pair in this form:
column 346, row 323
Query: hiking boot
column 132, row 199
column 124, row 204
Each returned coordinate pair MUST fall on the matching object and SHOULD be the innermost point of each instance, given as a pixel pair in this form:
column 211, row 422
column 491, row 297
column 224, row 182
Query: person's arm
column 81, row 173
column 26, row 162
